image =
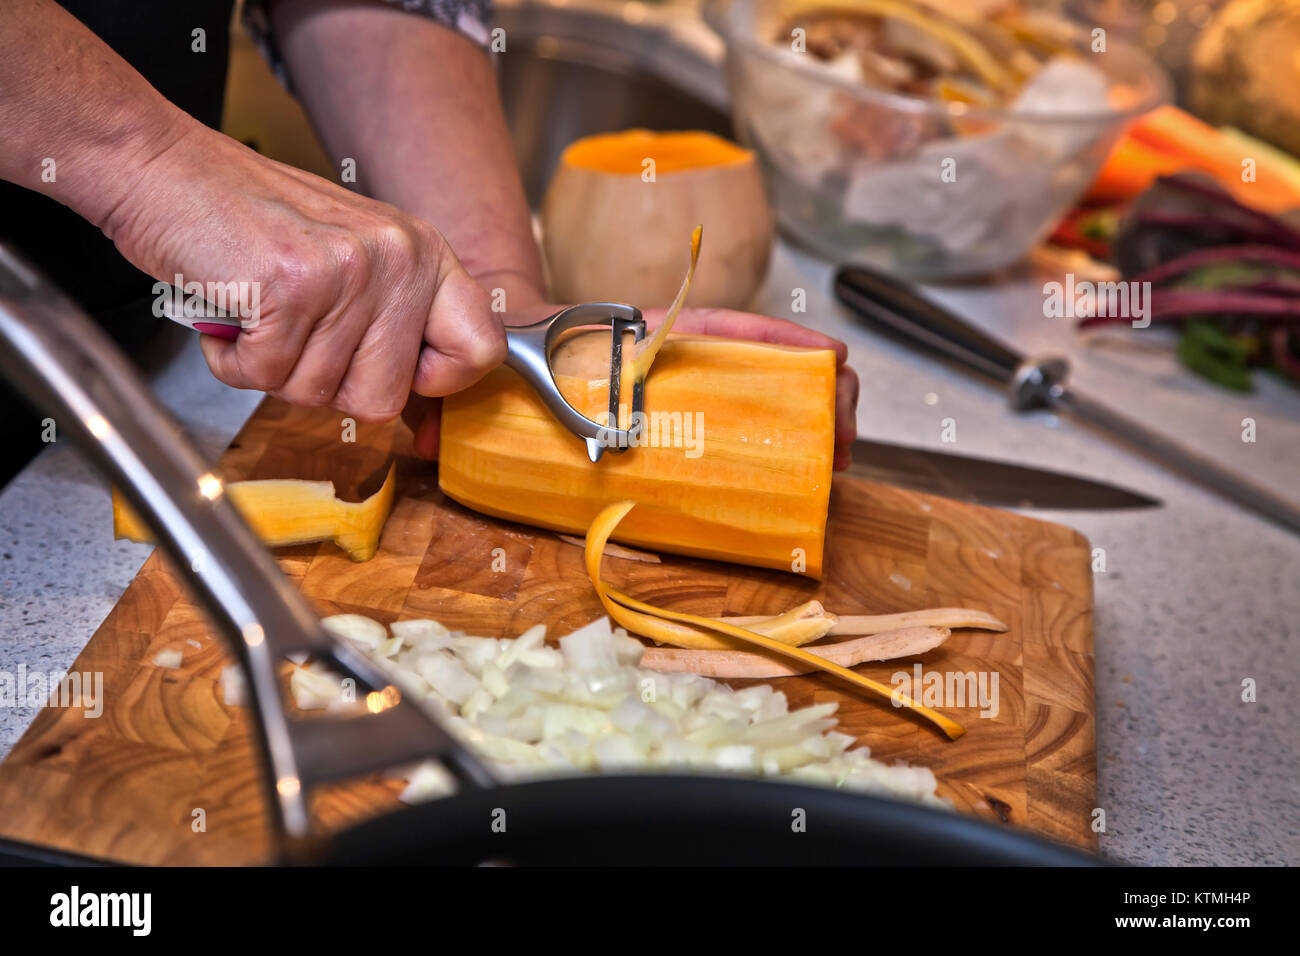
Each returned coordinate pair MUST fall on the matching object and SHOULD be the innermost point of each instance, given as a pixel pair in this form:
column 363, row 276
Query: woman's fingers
column 463, row 338
column 423, row 416
column 731, row 324
column 846, row 414
column 354, row 303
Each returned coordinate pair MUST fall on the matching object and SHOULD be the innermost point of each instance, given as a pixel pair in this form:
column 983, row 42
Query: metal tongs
column 529, row 350
column 68, row 366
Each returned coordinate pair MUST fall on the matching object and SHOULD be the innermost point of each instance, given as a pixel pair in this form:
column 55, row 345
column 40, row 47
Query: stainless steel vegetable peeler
column 529, row 349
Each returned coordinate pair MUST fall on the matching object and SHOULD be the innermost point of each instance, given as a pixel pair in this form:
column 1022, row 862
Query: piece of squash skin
column 669, row 626
column 865, row 624
column 285, row 511
column 887, row 645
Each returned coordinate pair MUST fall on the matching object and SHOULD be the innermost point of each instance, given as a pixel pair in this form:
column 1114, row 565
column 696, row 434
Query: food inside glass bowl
column 976, row 57
column 937, row 143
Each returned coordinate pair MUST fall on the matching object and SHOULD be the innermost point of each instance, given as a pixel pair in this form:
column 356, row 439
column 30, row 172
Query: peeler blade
column 528, row 352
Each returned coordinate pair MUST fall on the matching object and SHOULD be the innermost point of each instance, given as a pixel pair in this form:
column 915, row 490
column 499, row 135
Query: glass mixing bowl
column 926, row 188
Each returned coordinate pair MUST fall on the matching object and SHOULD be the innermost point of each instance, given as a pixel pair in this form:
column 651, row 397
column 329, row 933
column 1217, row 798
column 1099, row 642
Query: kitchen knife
column 1037, row 382
column 985, row 481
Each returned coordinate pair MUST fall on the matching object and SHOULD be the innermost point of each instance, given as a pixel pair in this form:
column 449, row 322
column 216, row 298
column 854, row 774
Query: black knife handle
column 895, row 306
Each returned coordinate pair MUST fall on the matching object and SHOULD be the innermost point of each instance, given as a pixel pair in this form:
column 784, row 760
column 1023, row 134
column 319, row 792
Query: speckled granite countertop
column 1197, row 596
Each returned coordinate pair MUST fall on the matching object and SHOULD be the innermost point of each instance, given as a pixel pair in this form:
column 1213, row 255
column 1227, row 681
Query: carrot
column 1130, row 169
column 1178, row 133
column 1196, row 145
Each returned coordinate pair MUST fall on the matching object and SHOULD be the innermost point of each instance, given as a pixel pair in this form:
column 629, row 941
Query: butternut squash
column 734, row 462
column 284, row 511
column 641, row 190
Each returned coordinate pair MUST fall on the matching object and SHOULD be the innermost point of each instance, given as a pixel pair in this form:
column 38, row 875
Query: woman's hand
column 358, row 304
column 423, row 415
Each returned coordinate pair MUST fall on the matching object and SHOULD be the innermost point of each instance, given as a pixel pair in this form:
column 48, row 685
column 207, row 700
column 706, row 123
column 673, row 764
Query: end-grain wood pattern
column 130, row 784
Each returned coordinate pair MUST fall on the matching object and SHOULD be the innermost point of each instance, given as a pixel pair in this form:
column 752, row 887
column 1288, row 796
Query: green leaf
column 1212, row 353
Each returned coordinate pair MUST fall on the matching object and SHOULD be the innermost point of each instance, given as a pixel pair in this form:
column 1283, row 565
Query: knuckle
column 369, row 405
column 305, row 397
column 492, row 351
column 428, row 237
column 401, row 245
column 298, row 280
column 350, row 260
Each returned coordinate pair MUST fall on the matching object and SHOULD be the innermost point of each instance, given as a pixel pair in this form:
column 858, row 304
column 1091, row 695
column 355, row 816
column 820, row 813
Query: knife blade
column 986, row 481
column 897, row 308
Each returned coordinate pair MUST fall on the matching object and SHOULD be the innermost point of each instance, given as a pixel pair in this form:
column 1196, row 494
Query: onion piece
column 314, row 690
column 357, row 628
column 170, row 658
column 234, row 688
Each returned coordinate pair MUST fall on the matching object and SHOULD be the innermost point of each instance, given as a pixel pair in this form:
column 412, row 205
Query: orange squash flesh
column 287, row 511
column 625, row 153
column 753, row 490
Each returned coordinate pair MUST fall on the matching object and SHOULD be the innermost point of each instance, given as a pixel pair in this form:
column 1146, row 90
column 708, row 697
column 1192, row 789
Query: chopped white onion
column 314, row 689
column 357, row 628
column 170, row 658
column 530, row 709
column 234, row 689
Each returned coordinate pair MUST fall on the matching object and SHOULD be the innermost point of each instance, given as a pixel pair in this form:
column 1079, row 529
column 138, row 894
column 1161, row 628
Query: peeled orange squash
column 619, row 203
column 287, row 511
column 738, row 465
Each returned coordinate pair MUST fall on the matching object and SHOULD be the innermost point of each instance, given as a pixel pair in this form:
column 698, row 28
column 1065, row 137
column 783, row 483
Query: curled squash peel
column 674, row 627
column 647, row 349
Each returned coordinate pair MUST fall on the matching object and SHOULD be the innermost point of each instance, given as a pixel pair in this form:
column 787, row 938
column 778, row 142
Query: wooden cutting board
column 167, row 773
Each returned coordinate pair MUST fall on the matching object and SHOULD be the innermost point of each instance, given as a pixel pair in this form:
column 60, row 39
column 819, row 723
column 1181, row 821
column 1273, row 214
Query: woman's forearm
column 416, row 106
column 77, row 122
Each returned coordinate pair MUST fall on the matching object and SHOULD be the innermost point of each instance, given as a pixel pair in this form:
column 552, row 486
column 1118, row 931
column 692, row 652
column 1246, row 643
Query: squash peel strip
column 669, row 626
column 648, row 349
column 886, row 646
column 865, row 624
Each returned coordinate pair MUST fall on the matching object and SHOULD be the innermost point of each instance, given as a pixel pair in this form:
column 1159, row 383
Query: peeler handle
column 528, row 352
